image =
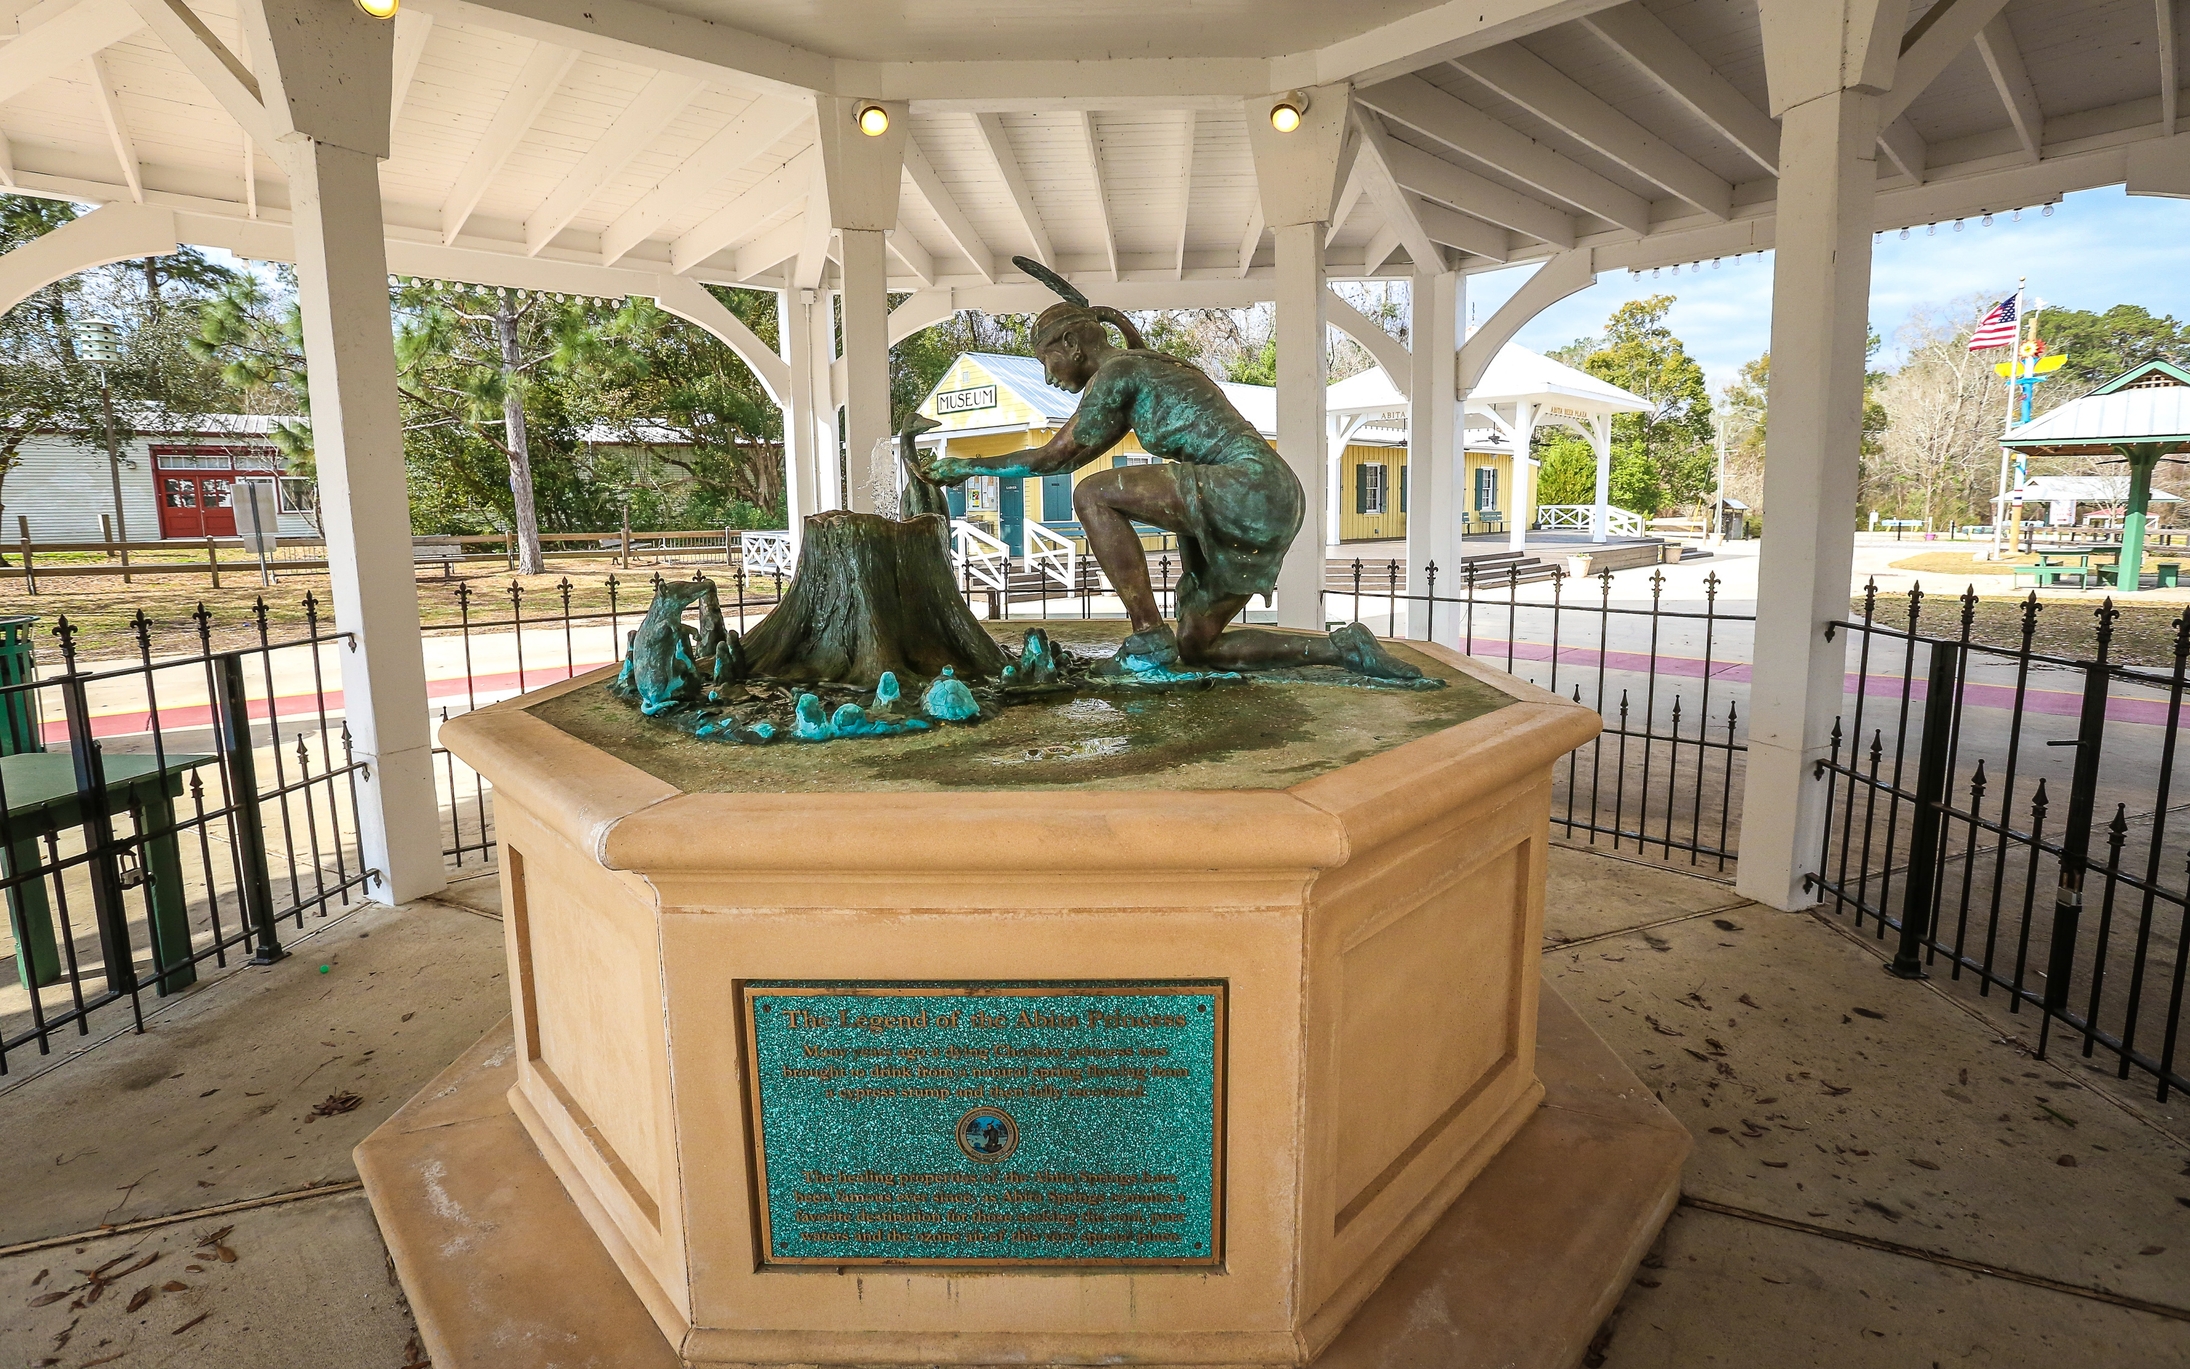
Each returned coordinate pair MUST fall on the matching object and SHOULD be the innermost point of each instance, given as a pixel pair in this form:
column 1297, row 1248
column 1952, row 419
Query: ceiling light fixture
column 1285, row 114
column 874, row 120
column 378, row 9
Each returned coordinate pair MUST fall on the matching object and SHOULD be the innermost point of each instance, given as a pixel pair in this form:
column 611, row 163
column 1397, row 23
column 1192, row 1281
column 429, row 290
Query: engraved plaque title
column 988, row 1123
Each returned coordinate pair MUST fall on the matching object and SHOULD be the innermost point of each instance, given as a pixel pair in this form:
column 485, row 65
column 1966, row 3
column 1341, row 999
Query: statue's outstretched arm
column 1101, row 421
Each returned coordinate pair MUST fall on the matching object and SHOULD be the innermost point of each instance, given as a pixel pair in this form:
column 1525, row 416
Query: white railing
column 979, row 556
column 765, row 551
column 1618, row 522
column 1052, row 554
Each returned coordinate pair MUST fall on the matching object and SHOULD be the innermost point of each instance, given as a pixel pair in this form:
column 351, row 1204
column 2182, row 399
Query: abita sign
column 984, row 1123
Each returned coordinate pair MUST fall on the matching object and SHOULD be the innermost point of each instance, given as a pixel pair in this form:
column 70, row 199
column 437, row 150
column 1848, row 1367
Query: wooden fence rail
column 33, row 561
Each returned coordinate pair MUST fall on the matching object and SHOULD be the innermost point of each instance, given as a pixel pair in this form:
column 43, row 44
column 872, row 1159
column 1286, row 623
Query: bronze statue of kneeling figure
column 1230, row 498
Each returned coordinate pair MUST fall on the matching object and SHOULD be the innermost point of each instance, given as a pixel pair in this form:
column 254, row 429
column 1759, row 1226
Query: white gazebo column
column 1524, row 434
column 1298, row 175
column 1433, row 445
column 1334, row 479
column 334, row 133
column 861, row 172
column 866, row 361
column 802, row 485
column 1600, row 442
column 1303, row 376
column 1821, row 277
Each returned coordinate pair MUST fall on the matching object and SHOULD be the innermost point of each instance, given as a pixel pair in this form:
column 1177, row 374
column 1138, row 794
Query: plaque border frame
column 756, row 1150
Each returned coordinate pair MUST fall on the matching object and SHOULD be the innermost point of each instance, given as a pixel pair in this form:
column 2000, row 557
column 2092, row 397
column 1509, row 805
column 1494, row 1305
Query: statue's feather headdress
column 1075, row 310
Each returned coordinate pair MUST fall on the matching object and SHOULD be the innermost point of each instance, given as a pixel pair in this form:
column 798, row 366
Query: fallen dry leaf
column 190, row 1323
column 139, row 1298
column 335, row 1104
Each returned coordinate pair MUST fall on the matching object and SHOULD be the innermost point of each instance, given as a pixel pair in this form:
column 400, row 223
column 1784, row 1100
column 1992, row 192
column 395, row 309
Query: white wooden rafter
column 1455, row 229
column 920, row 172
column 1930, row 44
column 1456, row 124
column 1438, row 179
column 756, row 128
column 1677, row 69
column 1093, row 147
column 1374, row 162
column 537, row 80
column 1251, row 241
column 1553, row 96
column 205, row 57
column 2170, row 67
column 412, row 28
column 907, row 249
column 1186, row 195
column 998, row 141
column 63, row 41
column 1906, row 147
column 774, row 194
column 651, row 111
column 2004, row 61
column 117, row 125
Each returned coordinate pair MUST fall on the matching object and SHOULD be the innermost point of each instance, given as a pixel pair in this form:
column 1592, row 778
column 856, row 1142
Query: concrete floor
column 1879, row 1177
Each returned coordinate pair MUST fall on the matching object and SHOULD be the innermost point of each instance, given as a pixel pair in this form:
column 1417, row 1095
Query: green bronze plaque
column 987, row 1123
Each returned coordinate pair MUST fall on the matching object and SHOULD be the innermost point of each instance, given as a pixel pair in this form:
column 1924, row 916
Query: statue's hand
column 948, row 470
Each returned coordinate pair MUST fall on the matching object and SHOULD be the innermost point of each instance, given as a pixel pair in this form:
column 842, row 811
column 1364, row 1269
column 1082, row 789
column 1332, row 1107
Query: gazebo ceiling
column 890, row 31
column 578, row 144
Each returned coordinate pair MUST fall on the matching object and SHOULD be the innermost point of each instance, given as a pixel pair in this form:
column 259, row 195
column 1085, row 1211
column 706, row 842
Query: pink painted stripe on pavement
column 301, row 707
column 2055, row 702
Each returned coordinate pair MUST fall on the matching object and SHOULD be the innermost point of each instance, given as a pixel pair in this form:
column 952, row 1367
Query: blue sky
column 2100, row 248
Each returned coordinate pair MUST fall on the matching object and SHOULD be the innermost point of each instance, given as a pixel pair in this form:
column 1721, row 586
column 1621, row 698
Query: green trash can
column 22, row 725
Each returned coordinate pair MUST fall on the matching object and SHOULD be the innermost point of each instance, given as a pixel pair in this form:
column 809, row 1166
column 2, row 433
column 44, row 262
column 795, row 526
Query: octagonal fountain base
column 1167, row 1050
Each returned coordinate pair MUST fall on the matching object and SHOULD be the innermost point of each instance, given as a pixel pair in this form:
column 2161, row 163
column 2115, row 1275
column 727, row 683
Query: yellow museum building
column 988, row 404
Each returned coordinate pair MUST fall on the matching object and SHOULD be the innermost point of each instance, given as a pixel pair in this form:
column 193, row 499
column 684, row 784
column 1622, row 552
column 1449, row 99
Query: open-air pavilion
column 2137, row 418
column 1221, row 154
column 1518, row 393
column 627, row 148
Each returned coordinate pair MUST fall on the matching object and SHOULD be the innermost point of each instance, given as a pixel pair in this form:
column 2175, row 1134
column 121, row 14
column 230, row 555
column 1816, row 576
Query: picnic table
column 43, row 799
column 2099, row 562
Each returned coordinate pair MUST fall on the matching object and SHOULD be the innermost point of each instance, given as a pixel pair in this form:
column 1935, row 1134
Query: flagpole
column 2000, row 502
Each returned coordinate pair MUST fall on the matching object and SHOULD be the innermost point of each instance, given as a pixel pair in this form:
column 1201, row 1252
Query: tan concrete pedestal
column 1376, row 927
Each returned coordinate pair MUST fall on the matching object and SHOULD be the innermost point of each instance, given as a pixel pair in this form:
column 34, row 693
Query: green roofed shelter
column 2139, row 416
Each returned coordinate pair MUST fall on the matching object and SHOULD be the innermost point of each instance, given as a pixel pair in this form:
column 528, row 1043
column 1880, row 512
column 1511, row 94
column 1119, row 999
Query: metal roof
column 2097, row 422
column 1515, row 375
column 1024, row 377
column 2085, row 489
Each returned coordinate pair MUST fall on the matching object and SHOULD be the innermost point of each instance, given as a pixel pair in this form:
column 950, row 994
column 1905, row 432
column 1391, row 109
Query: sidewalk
column 1878, row 1178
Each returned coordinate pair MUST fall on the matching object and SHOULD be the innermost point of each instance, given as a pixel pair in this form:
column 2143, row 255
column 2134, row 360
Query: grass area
column 1959, row 563
column 1962, row 563
column 2144, row 634
column 104, row 610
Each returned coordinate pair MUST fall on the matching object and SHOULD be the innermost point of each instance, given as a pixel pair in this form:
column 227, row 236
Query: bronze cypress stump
column 871, row 594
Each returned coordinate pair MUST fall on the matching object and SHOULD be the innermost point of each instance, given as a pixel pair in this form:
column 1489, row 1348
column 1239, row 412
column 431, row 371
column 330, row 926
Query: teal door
column 1057, row 498
column 1011, row 514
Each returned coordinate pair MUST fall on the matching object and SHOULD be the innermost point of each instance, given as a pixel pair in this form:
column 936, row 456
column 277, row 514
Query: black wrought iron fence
column 2009, row 816
column 164, row 812
column 1669, row 677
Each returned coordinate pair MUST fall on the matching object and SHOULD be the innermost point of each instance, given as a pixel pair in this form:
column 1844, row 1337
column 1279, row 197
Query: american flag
column 1996, row 329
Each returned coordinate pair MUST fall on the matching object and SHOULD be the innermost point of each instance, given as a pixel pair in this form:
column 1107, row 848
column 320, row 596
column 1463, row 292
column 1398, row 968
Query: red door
column 194, row 505
column 179, row 515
